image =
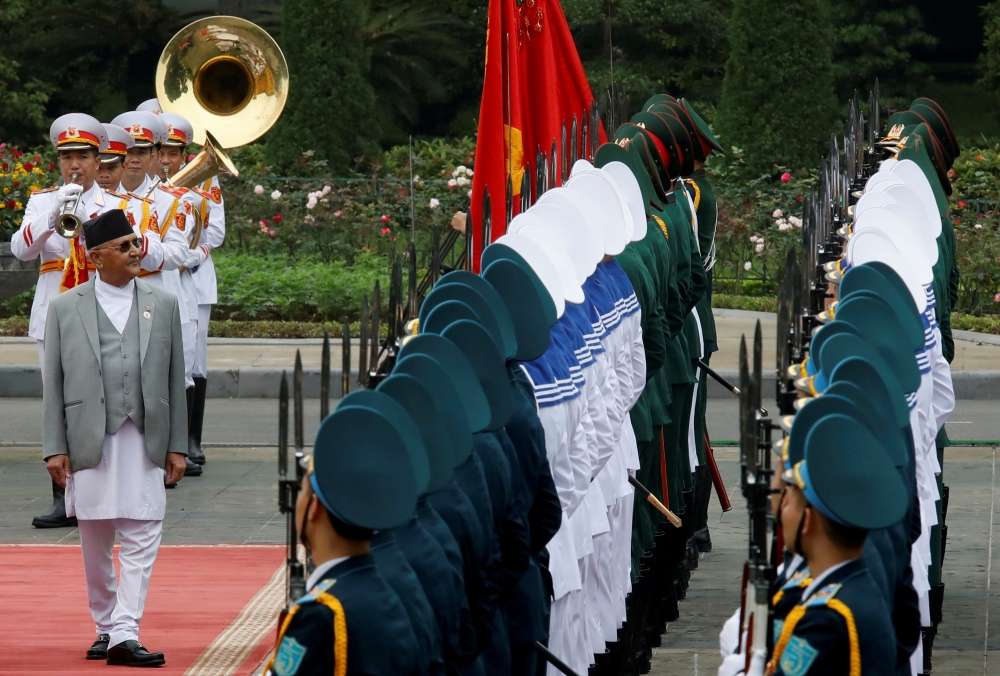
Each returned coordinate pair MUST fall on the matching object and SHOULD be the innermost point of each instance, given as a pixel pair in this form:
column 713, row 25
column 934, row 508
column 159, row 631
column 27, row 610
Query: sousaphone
column 229, row 79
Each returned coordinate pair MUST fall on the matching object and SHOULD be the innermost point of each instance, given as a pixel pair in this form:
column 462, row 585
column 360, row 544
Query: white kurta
column 126, row 484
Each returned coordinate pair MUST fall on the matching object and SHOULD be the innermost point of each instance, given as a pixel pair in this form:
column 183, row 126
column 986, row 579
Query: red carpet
column 195, row 594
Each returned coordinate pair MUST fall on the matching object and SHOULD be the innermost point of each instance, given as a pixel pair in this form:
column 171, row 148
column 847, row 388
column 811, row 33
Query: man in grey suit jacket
column 115, row 426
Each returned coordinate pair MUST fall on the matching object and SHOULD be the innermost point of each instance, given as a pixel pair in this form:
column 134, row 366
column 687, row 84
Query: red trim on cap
column 80, row 137
column 116, row 148
column 177, row 135
column 139, row 133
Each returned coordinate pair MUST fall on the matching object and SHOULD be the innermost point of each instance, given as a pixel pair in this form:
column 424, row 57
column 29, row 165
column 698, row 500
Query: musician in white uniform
column 172, row 214
column 79, row 139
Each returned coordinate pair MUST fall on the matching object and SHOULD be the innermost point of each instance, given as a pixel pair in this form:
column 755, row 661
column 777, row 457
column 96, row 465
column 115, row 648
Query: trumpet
column 68, row 224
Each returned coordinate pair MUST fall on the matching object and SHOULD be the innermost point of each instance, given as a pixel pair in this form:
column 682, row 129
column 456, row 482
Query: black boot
column 56, row 516
column 196, row 419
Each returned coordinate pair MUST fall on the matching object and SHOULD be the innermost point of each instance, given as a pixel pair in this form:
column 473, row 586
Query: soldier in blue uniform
column 844, row 487
column 361, row 479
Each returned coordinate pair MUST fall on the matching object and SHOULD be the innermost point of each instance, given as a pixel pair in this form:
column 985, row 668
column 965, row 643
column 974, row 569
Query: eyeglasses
column 124, row 247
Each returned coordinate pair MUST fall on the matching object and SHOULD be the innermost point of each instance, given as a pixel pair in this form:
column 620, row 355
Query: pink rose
column 385, row 231
column 786, row 177
column 383, row 218
column 337, row 214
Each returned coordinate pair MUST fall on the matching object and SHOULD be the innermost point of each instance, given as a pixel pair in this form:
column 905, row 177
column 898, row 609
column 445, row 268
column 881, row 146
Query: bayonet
column 363, row 353
column 412, row 307
column 324, row 379
column 553, row 172
column 509, row 201
column 563, row 156
column 574, row 142
column 375, row 333
column 525, row 189
column 595, row 130
column 345, row 360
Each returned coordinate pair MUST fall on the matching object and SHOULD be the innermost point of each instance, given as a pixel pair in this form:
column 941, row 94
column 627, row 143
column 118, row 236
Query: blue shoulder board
column 796, row 579
column 321, row 587
column 823, row 595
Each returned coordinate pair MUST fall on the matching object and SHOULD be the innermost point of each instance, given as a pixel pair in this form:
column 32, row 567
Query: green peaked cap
column 839, row 348
column 867, row 377
column 526, row 304
column 873, row 413
column 490, row 367
column 875, row 301
column 458, row 368
column 933, row 105
column 419, row 403
column 871, row 278
column 362, row 469
column 407, row 423
column 807, row 416
column 847, row 480
column 916, row 150
column 703, row 129
column 432, row 375
column 461, row 293
column 877, row 325
column 493, row 299
column 823, row 334
column 496, row 252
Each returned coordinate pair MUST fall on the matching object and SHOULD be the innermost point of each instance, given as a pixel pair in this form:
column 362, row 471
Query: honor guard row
column 126, row 165
column 523, row 486
column 865, row 388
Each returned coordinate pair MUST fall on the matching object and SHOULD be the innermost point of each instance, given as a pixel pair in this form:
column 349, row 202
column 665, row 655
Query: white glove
column 733, row 665
column 195, row 258
column 67, row 193
column 729, row 637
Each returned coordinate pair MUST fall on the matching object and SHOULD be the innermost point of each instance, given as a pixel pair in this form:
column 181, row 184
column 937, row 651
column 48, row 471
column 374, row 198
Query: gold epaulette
column 41, row 190
column 199, row 191
column 147, row 200
column 119, row 195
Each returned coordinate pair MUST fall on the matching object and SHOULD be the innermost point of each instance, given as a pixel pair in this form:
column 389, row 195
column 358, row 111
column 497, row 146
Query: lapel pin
column 146, row 314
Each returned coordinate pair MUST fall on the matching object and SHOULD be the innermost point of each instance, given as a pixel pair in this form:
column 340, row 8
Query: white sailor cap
column 150, row 106
column 119, row 141
column 551, row 247
column 179, row 130
column 145, row 128
column 77, row 131
column 588, row 226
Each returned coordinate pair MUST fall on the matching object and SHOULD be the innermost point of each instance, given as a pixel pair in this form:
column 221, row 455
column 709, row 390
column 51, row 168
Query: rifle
column 755, row 481
column 345, row 356
column 324, row 378
column 288, row 489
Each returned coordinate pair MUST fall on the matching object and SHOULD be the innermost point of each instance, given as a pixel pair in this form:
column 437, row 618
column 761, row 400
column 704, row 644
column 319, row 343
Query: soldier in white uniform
column 137, row 210
column 173, row 155
column 171, row 212
column 79, row 139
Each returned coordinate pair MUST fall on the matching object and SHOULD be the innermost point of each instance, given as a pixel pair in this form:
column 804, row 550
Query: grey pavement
column 251, row 368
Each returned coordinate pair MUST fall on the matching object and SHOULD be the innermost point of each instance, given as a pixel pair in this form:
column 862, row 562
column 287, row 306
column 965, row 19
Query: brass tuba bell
column 223, row 74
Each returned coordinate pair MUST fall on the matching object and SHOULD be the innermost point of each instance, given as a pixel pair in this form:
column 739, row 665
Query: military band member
column 173, row 210
column 79, row 139
column 138, row 210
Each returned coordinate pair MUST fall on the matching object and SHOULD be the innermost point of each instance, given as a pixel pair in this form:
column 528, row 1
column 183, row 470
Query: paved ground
column 236, row 502
column 730, row 324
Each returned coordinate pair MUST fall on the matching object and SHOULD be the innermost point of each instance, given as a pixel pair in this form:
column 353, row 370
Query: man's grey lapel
column 146, row 304
column 88, row 314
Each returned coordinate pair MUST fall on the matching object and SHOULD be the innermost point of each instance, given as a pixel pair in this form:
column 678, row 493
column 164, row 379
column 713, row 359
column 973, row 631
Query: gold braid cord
column 339, row 633
column 697, row 192
column 793, row 619
column 663, row 226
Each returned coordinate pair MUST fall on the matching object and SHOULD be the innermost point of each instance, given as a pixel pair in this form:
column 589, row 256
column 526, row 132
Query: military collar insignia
column 174, row 190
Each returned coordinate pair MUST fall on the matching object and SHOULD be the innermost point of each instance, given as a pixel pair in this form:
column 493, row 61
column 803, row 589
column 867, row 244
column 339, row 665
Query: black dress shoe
column 131, row 654
column 192, row 468
column 99, row 651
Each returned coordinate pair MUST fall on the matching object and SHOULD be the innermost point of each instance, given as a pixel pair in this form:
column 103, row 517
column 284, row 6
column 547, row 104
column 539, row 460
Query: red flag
column 534, row 84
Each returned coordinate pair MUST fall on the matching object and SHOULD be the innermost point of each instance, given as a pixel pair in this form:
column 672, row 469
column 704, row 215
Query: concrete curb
column 250, row 382
column 247, row 382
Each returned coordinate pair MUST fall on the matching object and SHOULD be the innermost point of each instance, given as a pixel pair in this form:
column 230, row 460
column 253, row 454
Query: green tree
column 878, row 39
column 778, row 102
column 331, row 109
column 989, row 60
column 22, row 98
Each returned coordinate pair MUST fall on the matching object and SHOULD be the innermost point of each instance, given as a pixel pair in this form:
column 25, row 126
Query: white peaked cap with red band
column 179, row 130
column 77, row 131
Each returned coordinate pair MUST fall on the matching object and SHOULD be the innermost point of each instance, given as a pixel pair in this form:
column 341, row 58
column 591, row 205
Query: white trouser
column 201, row 349
column 41, row 355
column 189, row 336
column 117, row 606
